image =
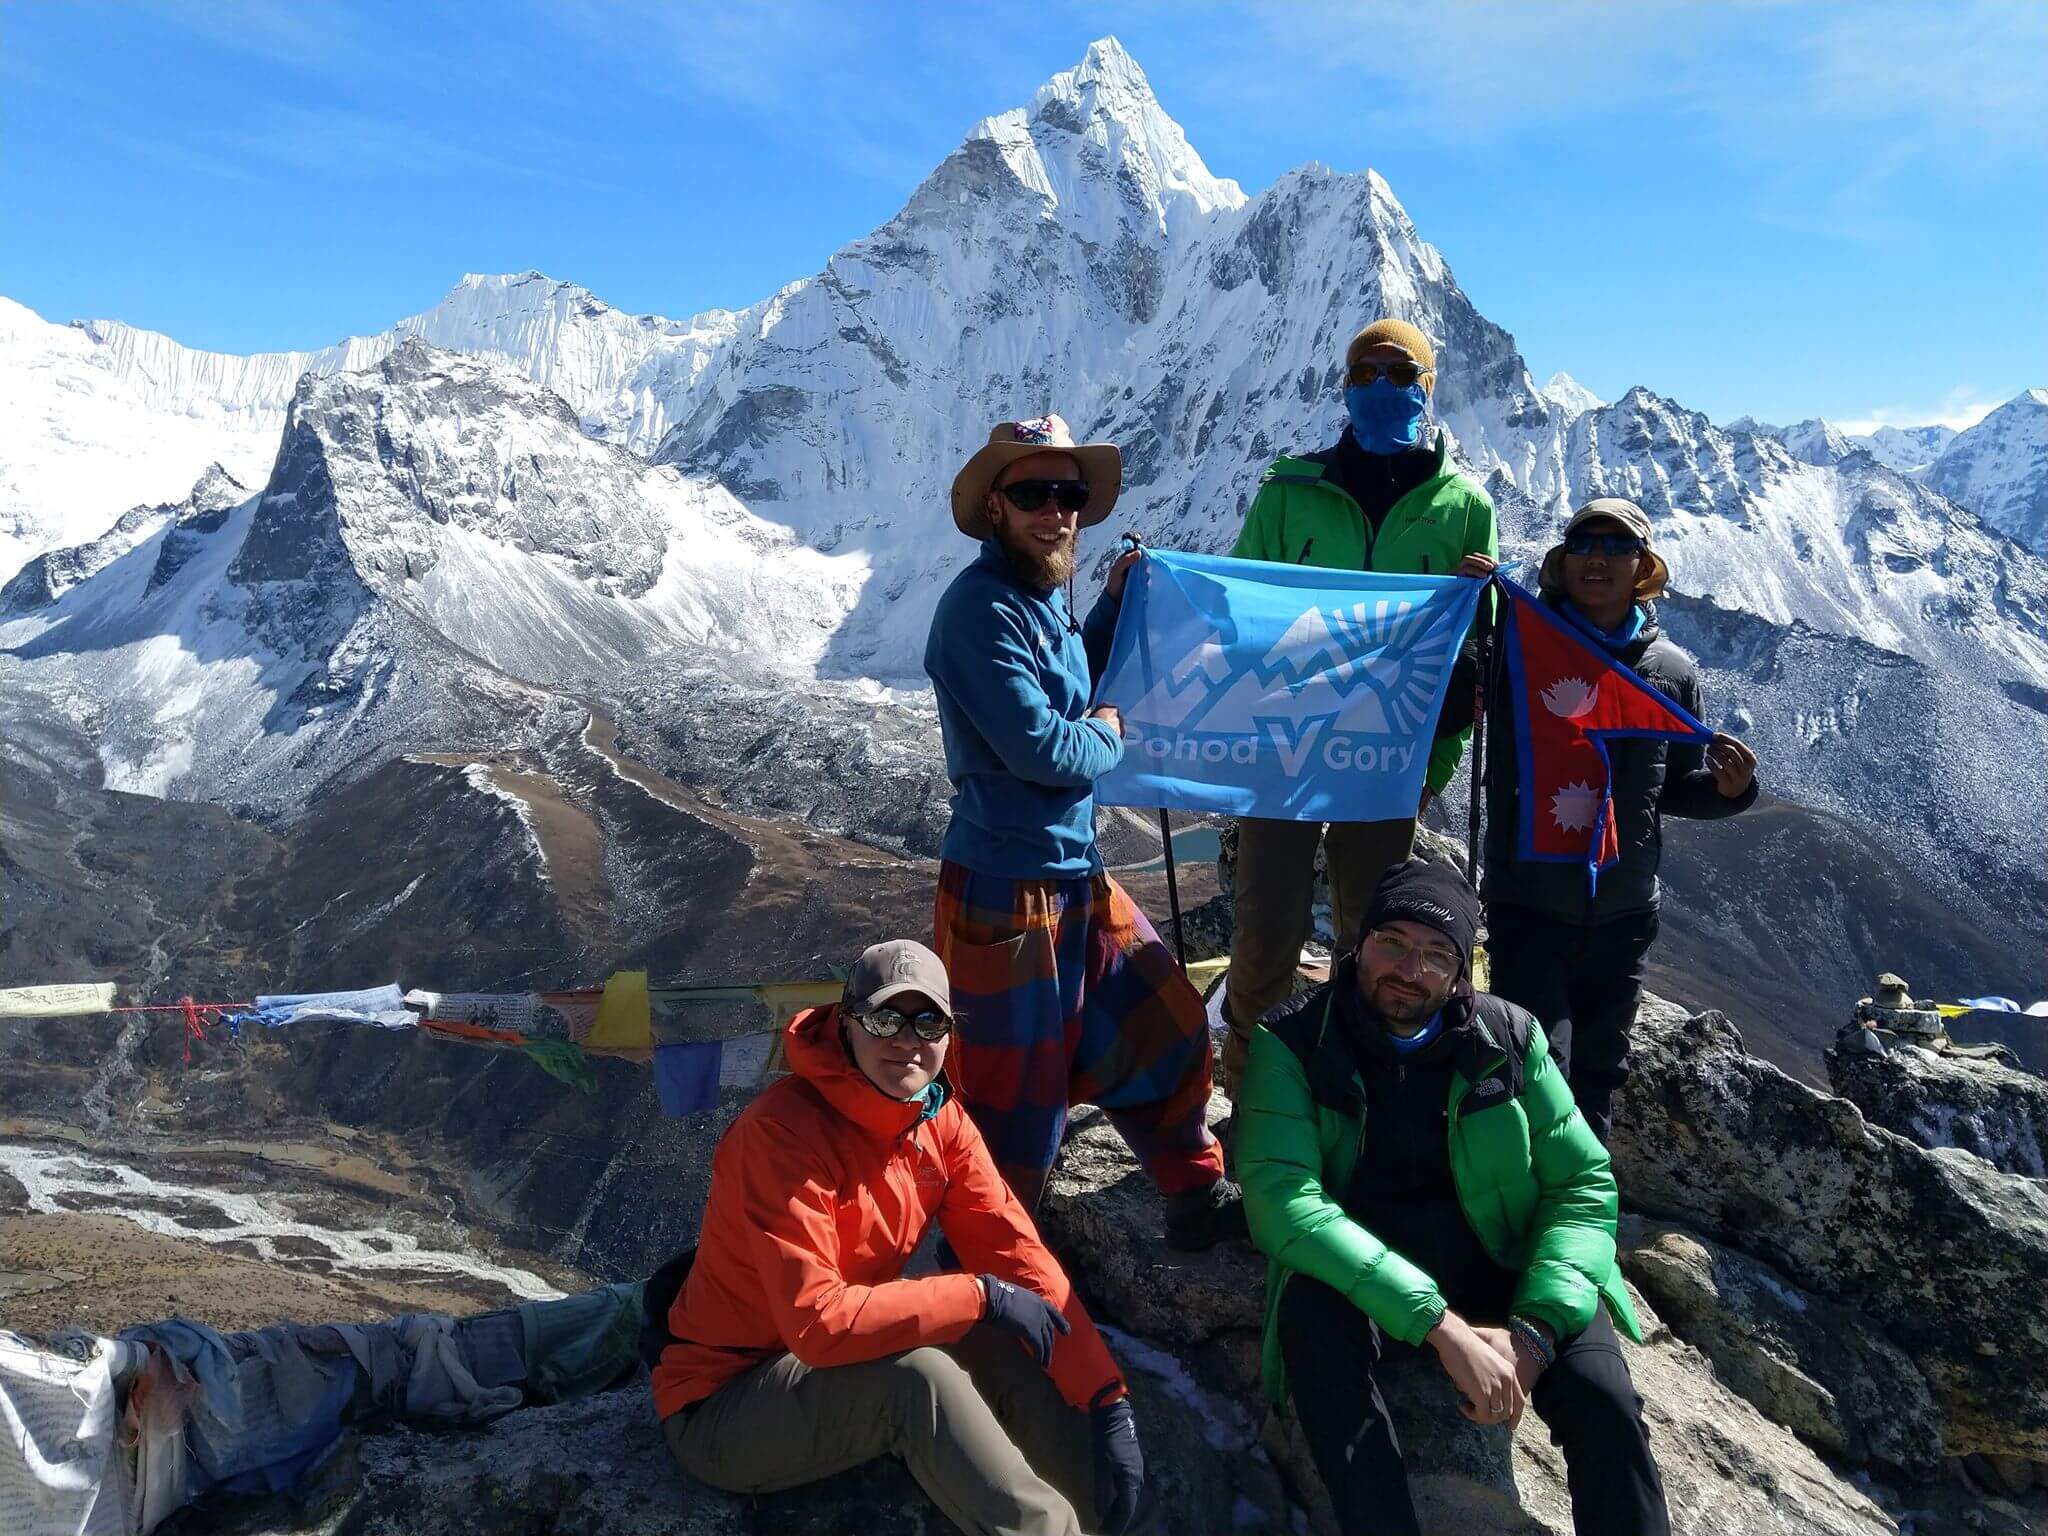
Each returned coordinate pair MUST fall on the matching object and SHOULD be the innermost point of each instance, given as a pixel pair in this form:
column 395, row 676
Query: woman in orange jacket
column 799, row 1348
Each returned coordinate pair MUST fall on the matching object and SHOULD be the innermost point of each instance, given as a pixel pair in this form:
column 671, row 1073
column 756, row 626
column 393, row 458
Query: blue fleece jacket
column 1013, row 675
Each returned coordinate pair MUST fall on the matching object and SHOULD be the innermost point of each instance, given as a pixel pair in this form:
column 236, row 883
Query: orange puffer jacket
column 820, row 1191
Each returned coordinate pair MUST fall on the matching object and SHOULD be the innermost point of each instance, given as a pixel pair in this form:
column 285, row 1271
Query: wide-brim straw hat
column 1650, row 580
column 1102, row 467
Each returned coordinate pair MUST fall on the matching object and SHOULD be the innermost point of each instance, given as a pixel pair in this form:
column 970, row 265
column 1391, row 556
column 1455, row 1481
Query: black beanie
column 1432, row 894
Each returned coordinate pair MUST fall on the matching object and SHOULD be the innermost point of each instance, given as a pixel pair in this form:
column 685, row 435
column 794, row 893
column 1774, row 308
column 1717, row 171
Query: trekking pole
column 1480, row 679
column 1180, row 943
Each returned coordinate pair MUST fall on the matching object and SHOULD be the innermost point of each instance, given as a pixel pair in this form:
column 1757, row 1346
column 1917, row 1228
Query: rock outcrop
column 1985, row 1107
column 1817, row 1368
column 1943, row 1253
column 1728, row 1471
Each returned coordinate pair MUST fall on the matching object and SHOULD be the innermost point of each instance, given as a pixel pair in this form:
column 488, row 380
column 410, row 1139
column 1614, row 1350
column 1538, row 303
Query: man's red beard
column 1043, row 566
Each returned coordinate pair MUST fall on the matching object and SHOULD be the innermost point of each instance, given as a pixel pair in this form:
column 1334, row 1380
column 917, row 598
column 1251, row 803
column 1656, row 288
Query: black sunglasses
column 1400, row 375
column 1605, row 543
column 1030, row 495
column 886, row 1022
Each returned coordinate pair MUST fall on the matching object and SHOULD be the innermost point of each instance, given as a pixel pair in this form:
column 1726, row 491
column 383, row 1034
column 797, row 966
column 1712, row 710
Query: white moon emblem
column 1570, row 697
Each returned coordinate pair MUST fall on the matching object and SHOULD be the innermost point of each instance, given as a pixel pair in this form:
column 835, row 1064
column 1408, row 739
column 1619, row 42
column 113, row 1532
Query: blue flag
column 1286, row 691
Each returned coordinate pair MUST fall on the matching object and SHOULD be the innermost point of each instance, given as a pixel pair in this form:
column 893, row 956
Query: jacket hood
column 818, row 1053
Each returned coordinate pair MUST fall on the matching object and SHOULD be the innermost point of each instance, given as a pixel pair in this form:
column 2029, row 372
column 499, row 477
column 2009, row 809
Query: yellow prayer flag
column 622, row 1022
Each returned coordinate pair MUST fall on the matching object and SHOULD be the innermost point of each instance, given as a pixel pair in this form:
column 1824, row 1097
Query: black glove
column 1119, row 1465
column 1025, row 1313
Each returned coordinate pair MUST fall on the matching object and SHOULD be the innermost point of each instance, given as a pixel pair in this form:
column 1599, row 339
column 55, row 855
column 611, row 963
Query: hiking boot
column 1202, row 1218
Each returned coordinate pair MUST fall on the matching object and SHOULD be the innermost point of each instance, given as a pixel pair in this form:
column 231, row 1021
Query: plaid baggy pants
column 1064, row 995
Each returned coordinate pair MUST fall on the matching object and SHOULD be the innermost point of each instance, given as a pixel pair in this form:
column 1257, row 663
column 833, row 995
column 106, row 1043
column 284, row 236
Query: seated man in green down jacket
column 1416, row 1170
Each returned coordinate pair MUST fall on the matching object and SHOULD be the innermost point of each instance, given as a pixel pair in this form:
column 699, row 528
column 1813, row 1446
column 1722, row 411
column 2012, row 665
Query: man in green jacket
column 1416, row 1170
column 1384, row 498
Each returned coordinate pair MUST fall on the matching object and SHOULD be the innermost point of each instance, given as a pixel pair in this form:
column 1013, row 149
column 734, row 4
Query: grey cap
column 893, row 968
column 1617, row 509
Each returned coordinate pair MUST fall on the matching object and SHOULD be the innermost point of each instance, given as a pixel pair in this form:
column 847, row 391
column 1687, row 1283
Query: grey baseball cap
column 893, row 968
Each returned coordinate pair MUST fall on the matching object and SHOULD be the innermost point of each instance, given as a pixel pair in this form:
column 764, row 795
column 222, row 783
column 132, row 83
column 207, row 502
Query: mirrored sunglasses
column 1613, row 544
column 1400, row 375
column 1436, row 964
column 885, row 1022
column 1030, row 495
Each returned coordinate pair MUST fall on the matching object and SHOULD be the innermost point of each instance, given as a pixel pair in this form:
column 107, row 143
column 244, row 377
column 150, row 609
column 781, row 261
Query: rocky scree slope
column 1802, row 1372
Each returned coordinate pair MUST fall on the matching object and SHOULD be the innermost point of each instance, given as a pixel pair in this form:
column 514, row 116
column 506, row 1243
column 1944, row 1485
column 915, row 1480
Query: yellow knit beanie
column 1396, row 333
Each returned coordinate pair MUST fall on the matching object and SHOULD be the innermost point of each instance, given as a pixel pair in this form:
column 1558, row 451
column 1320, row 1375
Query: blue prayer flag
column 686, row 1076
column 1286, row 691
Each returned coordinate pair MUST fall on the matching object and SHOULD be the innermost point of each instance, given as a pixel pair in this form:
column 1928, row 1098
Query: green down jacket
column 1535, row 1183
column 1300, row 518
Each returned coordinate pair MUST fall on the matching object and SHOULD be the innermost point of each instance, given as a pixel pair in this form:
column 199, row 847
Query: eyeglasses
column 1030, row 495
column 885, row 1023
column 1604, row 543
column 1436, row 964
column 1400, row 375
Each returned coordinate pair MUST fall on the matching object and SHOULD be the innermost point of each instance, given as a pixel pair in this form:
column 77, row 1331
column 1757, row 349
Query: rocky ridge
column 1785, row 1388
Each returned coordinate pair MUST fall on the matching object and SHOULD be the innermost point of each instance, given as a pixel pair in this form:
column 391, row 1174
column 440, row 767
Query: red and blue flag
column 1569, row 698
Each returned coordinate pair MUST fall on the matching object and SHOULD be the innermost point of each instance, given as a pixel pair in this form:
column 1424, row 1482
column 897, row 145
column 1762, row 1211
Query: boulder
column 1727, row 1470
column 1816, row 1367
column 1981, row 1106
column 598, row 1466
column 1942, row 1252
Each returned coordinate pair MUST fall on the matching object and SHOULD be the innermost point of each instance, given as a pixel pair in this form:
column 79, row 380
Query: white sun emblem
column 1574, row 807
column 1570, row 697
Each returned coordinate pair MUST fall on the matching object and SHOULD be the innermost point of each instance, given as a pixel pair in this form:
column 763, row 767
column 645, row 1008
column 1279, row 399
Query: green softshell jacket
column 1534, row 1182
column 1300, row 518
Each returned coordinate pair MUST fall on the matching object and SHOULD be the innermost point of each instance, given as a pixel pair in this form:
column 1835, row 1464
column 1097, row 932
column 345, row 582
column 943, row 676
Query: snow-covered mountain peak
column 1570, row 396
column 1999, row 469
column 1907, row 449
column 18, row 320
column 215, row 489
column 1818, row 441
column 1101, row 119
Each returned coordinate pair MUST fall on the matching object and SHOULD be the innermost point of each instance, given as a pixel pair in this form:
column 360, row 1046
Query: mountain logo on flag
column 1250, row 688
column 1569, row 698
column 1374, row 669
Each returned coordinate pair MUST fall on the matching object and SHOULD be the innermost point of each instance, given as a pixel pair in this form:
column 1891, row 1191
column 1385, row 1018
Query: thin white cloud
column 1973, row 74
column 1763, row 74
column 1959, row 410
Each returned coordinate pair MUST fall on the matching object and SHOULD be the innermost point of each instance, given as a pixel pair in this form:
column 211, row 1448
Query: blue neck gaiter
column 1385, row 419
column 1408, row 1045
column 1614, row 639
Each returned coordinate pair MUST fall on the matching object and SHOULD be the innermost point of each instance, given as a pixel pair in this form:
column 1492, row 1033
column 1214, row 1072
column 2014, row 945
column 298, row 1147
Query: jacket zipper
column 1302, row 558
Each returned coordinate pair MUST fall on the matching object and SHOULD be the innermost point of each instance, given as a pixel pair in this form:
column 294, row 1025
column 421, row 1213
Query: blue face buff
column 1385, row 419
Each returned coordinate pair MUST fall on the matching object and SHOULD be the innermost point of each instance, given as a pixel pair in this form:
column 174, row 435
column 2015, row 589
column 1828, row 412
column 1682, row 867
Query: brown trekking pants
column 1276, row 872
column 983, row 1429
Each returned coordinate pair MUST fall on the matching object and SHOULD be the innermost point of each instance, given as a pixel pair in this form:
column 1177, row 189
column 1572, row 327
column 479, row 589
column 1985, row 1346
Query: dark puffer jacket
column 1652, row 779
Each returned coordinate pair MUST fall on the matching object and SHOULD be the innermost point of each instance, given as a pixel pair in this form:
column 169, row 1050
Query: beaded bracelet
column 1528, row 1333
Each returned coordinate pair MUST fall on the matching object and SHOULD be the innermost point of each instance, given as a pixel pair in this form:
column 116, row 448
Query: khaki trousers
column 982, row 1428
column 1276, row 872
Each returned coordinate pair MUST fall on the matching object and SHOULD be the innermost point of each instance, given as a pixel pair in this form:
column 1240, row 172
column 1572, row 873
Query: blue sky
column 1759, row 206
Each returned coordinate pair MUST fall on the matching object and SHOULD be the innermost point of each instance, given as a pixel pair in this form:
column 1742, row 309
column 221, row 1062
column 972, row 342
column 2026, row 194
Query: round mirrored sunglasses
column 885, row 1022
